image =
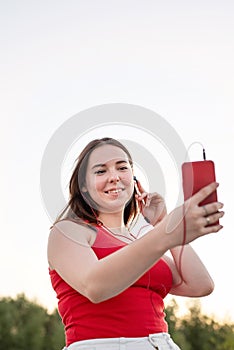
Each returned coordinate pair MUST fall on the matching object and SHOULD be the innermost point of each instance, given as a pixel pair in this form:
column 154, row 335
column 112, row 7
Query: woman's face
column 109, row 178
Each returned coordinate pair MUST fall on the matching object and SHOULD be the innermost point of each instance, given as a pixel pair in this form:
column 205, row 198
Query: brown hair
column 81, row 206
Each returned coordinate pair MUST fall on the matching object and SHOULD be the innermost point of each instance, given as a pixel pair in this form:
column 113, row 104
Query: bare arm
column 102, row 279
column 190, row 276
column 193, row 280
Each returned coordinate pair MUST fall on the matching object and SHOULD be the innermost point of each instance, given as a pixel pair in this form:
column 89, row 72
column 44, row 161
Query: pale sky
column 59, row 58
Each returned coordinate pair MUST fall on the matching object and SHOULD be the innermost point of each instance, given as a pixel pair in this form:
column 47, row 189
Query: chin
column 111, row 206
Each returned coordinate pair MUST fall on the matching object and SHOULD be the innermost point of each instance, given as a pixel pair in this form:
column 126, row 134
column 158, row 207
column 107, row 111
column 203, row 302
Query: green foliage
column 54, row 335
column 26, row 325
column 197, row 331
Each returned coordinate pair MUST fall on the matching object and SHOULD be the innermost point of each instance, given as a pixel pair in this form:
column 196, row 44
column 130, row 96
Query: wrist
column 171, row 232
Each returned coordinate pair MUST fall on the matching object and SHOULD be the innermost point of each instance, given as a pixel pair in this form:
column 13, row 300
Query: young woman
column 110, row 284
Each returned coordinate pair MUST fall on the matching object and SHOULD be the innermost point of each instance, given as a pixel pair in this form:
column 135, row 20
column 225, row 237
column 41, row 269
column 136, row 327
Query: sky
column 60, row 58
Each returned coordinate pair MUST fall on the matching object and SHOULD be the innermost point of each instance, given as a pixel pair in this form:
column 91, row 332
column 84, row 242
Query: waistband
column 159, row 341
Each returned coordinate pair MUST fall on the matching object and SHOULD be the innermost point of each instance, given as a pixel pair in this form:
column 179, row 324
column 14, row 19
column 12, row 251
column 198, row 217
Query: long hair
column 81, row 206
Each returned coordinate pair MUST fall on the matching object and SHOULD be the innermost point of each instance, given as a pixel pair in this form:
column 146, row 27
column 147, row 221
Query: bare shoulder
column 76, row 232
column 69, row 245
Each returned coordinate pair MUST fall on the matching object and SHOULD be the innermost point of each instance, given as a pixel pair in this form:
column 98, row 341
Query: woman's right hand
column 199, row 220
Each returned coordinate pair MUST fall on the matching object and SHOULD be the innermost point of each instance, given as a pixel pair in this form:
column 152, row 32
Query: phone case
column 196, row 175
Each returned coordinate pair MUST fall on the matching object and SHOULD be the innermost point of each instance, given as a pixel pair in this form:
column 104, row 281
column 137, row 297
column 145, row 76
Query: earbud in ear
column 134, row 178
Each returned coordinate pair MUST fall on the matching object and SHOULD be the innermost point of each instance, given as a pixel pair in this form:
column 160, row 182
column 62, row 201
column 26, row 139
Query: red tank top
column 136, row 312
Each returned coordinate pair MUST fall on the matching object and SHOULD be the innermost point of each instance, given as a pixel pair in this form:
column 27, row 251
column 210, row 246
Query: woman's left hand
column 152, row 205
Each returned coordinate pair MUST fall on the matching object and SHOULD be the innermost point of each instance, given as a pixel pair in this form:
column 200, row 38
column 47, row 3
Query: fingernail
column 146, row 219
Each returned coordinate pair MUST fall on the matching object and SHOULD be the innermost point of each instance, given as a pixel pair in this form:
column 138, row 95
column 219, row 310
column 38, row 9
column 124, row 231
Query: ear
column 84, row 189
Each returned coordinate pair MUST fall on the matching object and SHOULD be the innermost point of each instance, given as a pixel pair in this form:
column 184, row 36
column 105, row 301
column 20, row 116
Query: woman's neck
column 113, row 220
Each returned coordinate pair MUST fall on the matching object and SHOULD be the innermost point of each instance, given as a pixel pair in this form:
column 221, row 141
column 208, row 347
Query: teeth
column 114, row 191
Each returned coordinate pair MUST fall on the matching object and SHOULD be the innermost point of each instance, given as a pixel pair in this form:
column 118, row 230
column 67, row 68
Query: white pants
column 160, row 341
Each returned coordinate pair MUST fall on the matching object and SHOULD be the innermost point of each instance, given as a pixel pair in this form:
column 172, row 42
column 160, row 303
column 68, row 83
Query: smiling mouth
column 114, row 191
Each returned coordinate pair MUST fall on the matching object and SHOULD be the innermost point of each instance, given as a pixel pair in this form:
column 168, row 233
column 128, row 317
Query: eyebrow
column 102, row 165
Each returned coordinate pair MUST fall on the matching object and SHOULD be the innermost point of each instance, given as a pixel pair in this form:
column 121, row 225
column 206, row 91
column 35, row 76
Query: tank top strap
column 104, row 239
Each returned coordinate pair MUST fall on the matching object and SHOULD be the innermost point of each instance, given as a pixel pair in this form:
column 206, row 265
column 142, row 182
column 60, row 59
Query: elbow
column 94, row 294
column 95, row 289
column 206, row 289
column 209, row 289
column 95, row 299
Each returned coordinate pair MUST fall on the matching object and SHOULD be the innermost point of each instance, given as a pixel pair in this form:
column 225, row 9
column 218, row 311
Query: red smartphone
column 196, row 175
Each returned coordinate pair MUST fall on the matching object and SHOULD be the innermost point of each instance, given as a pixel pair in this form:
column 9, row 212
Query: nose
column 114, row 177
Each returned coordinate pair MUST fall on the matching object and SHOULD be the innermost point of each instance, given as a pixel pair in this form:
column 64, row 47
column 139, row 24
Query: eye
column 123, row 167
column 99, row 172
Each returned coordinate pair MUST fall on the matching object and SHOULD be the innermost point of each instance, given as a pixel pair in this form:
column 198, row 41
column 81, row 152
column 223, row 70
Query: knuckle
column 200, row 222
column 202, row 231
column 215, row 228
column 215, row 207
column 204, row 190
